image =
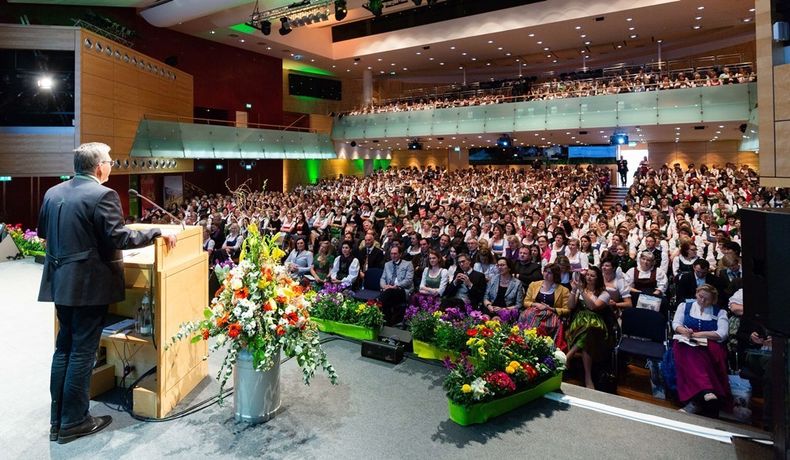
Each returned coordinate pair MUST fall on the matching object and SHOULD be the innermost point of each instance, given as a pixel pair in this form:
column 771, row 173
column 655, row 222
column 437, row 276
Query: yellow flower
column 510, row 370
column 482, row 352
column 470, row 342
column 466, row 388
column 514, row 330
column 252, row 228
column 531, row 333
column 514, row 364
column 549, row 341
column 491, row 324
column 361, row 308
column 437, row 314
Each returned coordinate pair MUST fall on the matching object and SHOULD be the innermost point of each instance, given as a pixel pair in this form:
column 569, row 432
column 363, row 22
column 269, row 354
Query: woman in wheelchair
column 591, row 332
column 702, row 380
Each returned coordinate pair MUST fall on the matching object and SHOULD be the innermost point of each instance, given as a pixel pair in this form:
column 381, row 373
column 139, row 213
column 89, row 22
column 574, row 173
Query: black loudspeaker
column 765, row 250
column 383, row 351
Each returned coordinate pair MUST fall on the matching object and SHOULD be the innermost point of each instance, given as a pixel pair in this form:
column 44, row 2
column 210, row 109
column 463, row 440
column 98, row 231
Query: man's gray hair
column 87, row 156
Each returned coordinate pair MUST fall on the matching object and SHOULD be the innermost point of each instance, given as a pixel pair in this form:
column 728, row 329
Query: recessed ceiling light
column 393, row 64
column 379, row 59
column 698, row 18
column 312, row 60
column 619, row 46
column 751, row 10
column 441, row 63
column 381, row 71
column 545, row 49
column 629, row 19
column 500, row 48
column 490, row 41
column 212, row 32
column 659, row 41
column 269, row 48
column 474, row 59
column 488, row 63
column 584, row 51
column 548, row 55
column 633, row 35
column 540, row 43
column 554, row 61
column 348, row 70
column 721, row 126
column 241, row 40
column 419, row 53
column 697, row 27
column 631, row 28
column 587, row 42
column 507, row 54
column 747, row 19
column 333, row 66
column 531, row 35
column 583, row 35
column 578, row 27
column 460, row 67
column 463, row 54
column 700, row 8
column 370, row 68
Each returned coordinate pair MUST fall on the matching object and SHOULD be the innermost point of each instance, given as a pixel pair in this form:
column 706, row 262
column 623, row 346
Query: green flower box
column 426, row 350
column 481, row 412
column 346, row 330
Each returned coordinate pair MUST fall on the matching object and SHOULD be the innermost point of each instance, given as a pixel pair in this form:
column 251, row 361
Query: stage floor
column 377, row 411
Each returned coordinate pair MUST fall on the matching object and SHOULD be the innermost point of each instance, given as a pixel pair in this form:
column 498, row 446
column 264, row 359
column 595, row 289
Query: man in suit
column 622, row 168
column 468, row 286
column 369, row 255
column 396, row 284
column 688, row 283
column 525, row 270
column 82, row 223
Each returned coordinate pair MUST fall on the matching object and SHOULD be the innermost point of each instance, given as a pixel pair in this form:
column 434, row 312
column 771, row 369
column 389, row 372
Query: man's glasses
column 109, row 162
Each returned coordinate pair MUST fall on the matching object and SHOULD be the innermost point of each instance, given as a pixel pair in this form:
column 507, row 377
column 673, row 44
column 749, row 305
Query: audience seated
column 504, row 293
column 702, row 377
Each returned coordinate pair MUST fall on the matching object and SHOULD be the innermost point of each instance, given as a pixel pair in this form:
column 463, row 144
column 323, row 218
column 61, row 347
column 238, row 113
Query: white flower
column 479, row 388
column 221, row 338
column 559, row 356
column 236, row 283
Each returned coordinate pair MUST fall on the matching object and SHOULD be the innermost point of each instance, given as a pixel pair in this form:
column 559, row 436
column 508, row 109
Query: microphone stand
column 135, row 193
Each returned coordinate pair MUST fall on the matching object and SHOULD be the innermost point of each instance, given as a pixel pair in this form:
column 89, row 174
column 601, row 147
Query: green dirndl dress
column 592, row 331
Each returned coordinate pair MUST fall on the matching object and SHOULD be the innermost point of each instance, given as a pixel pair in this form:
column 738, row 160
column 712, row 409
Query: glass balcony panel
column 500, row 118
column 637, row 108
column 472, row 120
column 723, row 103
column 562, row 113
column 598, row 111
column 679, row 106
column 530, row 116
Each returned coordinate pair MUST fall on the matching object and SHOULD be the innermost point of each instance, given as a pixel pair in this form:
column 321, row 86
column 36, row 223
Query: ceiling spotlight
column 285, row 28
column 45, row 83
column 340, row 10
column 266, row 27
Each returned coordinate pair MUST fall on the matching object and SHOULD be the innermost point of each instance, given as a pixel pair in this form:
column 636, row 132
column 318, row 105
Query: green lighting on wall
column 359, row 165
column 313, row 168
column 244, row 28
column 381, row 164
column 289, row 64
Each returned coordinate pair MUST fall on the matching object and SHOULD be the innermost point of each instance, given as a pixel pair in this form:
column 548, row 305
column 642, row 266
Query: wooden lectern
column 177, row 282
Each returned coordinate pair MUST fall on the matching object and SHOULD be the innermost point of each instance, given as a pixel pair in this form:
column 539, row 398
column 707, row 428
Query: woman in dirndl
column 702, row 380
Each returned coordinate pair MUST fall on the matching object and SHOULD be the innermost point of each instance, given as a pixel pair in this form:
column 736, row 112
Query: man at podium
column 83, row 225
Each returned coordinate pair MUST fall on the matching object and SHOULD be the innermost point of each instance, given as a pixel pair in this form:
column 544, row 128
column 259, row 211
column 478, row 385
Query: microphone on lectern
column 134, row 192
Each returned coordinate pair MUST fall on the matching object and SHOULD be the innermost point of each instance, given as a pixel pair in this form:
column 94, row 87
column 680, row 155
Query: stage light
column 504, row 141
column 375, row 7
column 340, row 10
column 266, row 27
column 45, row 83
column 285, row 28
column 618, row 139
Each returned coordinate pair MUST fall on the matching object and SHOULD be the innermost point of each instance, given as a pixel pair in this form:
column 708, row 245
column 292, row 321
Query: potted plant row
column 505, row 368
column 336, row 312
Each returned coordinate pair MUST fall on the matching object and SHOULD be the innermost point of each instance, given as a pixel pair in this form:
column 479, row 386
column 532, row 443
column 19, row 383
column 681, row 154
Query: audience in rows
column 561, row 88
column 533, row 246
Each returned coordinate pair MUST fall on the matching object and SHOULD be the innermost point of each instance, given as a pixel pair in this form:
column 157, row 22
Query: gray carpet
column 377, row 411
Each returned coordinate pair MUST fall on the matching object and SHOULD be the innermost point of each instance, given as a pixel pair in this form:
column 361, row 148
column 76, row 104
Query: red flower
column 297, row 289
column 487, row 332
column 205, row 334
column 221, row 322
column 529, row 370
column 500, row 380
column 471, row 332
column 234, row 330
column 281, row 299
column 292, row 318
column 242, row 293
column 280, row 330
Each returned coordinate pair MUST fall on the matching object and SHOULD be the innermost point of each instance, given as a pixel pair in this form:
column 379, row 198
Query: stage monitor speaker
column 8, row 250
column 391, row 352
column 765, row 248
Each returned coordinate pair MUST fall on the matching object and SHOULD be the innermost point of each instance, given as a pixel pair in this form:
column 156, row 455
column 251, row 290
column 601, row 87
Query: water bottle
column 145, row 323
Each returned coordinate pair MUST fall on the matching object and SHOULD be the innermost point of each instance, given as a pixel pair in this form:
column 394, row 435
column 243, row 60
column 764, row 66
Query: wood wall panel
column 117, row 94
column 710, row 153
column 409, row 158
column 782, row 92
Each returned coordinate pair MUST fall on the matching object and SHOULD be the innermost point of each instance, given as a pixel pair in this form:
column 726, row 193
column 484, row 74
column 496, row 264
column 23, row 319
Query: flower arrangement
column 333, row 304
column 444, row 329
column 501, row 360
column 27, row 241
column 259, row 307
column 221, row 269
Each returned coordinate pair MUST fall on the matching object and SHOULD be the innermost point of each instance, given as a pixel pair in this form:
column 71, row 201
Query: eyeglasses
column 109, row 162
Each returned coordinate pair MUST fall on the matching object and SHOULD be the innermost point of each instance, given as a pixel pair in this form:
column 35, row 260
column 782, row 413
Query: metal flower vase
column 256, row 394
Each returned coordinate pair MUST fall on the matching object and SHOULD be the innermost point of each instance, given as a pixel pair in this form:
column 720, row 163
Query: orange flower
column 221, row 322
column 267, row 273
column 280, row 330
column 234, row 330
column 297, row 289
column 267, row 306
column 292, row 318
column 242, row 293
column 281, row 299
column 205, row 334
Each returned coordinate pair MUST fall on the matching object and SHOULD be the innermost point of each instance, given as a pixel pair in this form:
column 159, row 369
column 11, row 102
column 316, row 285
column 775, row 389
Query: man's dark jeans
column 72, row 363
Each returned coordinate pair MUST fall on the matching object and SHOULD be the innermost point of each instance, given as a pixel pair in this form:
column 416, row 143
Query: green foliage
column 423, row 326
column 450, row 337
